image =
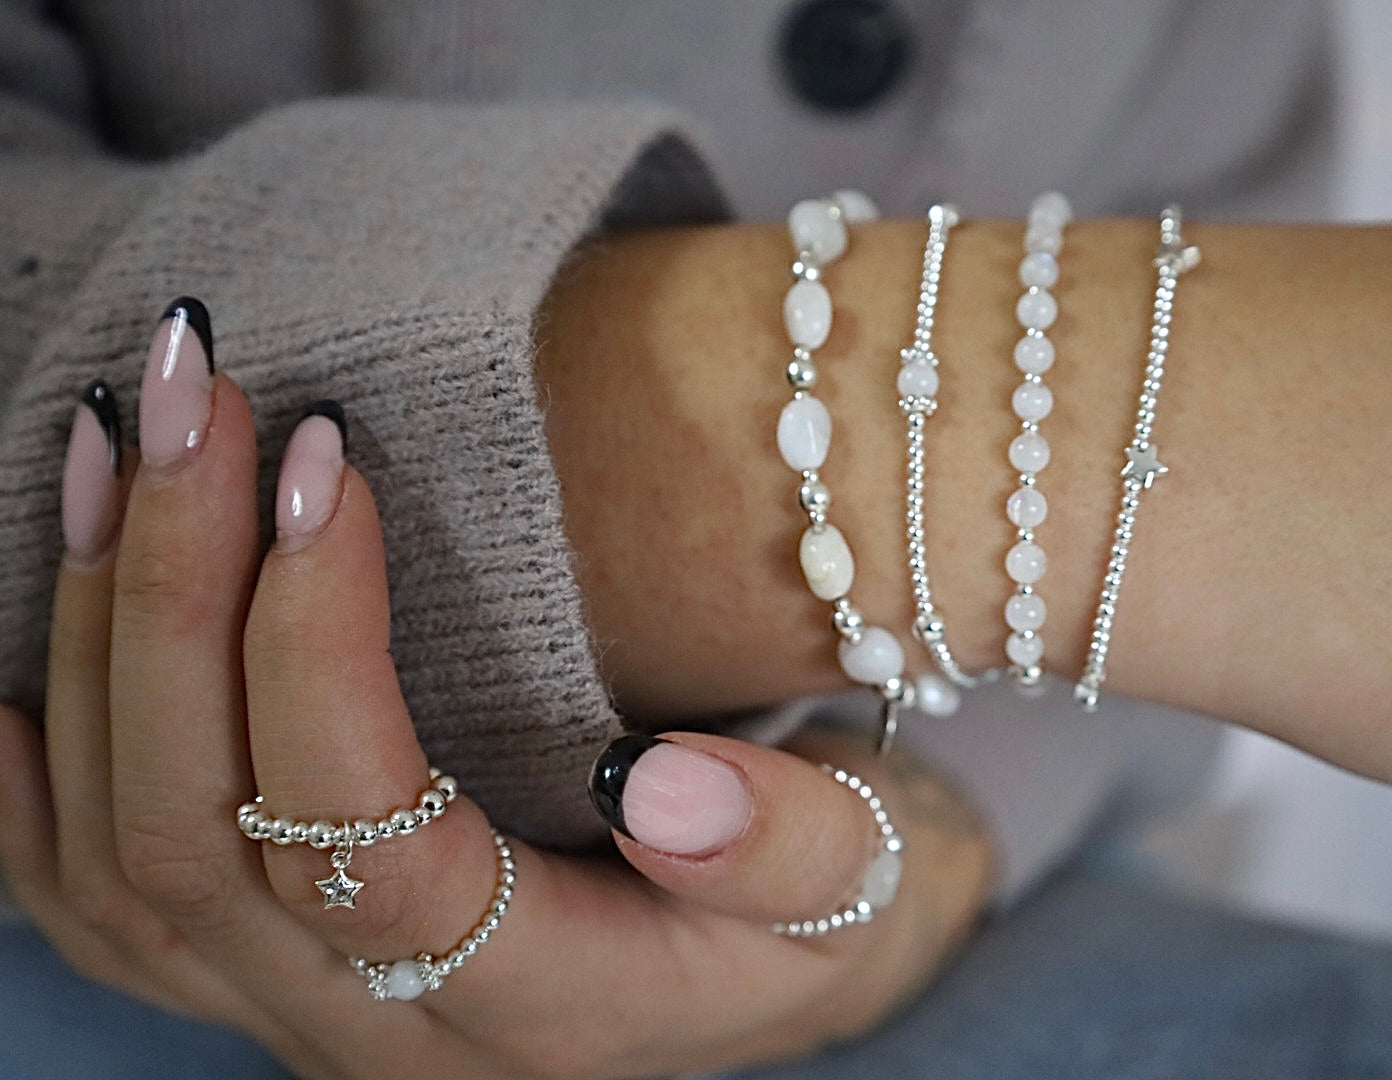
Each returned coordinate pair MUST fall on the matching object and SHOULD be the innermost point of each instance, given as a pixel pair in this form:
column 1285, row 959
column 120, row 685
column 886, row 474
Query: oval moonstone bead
column 826, row 562
column 1039, row 268
column 817, row 230
column 804, row 433
column 807, row 314
column 881, row 882
column 875, row 658
column 856, row 206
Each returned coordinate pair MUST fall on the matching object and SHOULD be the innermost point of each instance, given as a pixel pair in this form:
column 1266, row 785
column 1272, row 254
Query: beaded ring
column 338, row 888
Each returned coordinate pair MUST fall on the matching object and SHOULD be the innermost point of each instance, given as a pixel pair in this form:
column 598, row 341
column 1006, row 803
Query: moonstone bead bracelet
column 1142, row 466
column 868, row 654
column 1028, row 453
column 917, row 386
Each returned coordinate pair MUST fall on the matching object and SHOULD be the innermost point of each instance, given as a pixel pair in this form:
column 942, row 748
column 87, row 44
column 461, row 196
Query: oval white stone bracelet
column 1032, row 401
column 870, row 655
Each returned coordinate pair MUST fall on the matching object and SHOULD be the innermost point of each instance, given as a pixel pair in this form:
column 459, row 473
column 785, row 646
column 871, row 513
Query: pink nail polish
column 311, row 475
column 684, row 802
column 177, row 388
column 91, row 471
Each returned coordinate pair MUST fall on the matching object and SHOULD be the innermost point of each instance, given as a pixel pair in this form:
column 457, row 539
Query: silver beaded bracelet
column 917, row 386
column 1028, row 453
column 870, row 655
column 1142, row 466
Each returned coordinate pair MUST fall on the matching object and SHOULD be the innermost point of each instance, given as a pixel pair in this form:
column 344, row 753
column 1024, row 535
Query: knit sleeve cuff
column 391, row 255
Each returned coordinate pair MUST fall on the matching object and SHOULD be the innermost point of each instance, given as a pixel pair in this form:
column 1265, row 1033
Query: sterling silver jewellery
column 1028, row 453
column 338, row 888
column 406, row 980
column 881, row 880
column 870, row 655
column 1143, row 466
column 917, row 384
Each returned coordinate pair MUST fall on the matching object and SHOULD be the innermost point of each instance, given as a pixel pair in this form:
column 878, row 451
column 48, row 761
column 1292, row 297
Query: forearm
column 1257, row 588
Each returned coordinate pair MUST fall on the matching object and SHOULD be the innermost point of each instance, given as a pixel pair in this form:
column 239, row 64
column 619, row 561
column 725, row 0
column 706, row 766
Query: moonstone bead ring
column 881, row 880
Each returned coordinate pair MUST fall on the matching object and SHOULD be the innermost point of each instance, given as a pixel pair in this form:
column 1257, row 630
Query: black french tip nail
column 198, row 319
column 334, row 411
column 102, row 400
column 610, row 772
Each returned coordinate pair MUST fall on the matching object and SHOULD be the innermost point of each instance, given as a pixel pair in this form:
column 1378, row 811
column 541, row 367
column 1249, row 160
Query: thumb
column 749, row 830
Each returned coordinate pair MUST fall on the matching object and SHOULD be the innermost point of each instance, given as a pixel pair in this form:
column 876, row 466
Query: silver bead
column 321, row 835
column 814, row 497
column 847, row 619
column 433, row 803
column 801, row 374
column 403, row 822
column 280, row 831
column 364, row 832
column 447, row 786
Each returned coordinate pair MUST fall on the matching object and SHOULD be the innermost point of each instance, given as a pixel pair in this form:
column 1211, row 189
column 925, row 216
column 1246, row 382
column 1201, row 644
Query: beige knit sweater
column 387, row 254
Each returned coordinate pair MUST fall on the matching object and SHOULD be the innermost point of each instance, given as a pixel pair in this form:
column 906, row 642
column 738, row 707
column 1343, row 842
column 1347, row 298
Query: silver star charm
column 339, row 890
column 1144, row 464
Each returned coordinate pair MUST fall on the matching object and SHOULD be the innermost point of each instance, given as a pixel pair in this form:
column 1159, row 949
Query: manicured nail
column 311, row 475
column 669, row 797
column 91, row 484
column 177, row 389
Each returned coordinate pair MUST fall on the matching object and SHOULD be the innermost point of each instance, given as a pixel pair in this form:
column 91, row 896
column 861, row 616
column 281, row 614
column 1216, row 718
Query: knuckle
column 154, row 580
column 99, row 903
column 188, row 887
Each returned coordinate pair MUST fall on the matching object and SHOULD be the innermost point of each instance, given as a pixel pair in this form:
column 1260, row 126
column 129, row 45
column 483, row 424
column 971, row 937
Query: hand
column 187, row 673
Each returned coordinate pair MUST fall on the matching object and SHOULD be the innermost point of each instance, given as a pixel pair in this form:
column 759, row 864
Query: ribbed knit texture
column 391, row 255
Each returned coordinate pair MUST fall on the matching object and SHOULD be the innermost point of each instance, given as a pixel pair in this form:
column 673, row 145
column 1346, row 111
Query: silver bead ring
column 406, row 980
column 881, row 879
column 338, row 888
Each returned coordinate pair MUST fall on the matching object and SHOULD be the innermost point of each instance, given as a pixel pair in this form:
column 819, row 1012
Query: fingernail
column 311, row 474
column 91, row 484
column 669, row 797
column 176, row 391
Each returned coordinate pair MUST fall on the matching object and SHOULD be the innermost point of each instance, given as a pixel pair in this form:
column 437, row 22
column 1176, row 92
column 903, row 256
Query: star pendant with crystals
column 1144, row 464
column 339, row 890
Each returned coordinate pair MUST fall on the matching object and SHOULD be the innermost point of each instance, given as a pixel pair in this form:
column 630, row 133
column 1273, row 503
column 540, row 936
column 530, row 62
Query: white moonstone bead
column 1039, row 268
column 1026, row 563
column 1034, row 354
column 404, row 981
column 1026, row 508
column 804, row 433
column 918, row 379
column 1029, row 452
column 826, row 562
column 1025, row 651
column 1025, row 612
column 817, row 230
column 856, row 206
column 1036, row 309
column 807, row 314
column 935, row 696
column 1051, row 208
column 875, row 658
column 881, row 881
column 1043, row 237
column 1032, row 401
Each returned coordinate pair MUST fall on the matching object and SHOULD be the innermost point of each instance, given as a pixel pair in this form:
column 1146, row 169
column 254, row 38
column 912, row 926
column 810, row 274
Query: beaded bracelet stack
column 872, row 654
